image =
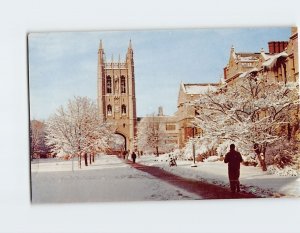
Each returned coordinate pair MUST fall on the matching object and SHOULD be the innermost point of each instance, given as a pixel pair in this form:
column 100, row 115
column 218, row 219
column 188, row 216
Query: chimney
column 277, row 46
column 225, row 73
column 271, row 46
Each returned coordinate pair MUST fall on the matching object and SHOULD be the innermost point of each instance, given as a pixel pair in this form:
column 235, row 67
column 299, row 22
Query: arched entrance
column 117, row 144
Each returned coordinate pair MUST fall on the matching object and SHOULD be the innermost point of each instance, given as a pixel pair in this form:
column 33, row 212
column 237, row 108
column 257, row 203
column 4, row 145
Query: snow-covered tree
column 253, row 111
column 38, row 147
column 151, row 135
column 201, row 148
column 77, row 130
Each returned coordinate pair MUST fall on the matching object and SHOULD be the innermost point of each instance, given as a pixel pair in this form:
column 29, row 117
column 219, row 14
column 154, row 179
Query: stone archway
column 117, row 144
column 124, row 146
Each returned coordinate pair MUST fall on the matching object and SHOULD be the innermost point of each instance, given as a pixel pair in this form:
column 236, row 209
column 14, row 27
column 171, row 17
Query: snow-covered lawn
column 108, row 179
column 252, row 179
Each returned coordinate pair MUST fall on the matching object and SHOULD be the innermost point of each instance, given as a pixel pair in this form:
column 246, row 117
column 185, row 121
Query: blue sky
column 64, row 64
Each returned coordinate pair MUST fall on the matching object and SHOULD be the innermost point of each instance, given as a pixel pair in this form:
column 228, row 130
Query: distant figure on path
column 133, row 156
column 233, row 158
column 124, row 154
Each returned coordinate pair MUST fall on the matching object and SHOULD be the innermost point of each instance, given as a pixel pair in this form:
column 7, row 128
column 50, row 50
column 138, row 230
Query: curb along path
column 204, row 190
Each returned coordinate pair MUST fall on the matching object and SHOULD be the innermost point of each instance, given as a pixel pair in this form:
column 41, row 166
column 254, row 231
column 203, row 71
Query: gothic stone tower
column 116, row 94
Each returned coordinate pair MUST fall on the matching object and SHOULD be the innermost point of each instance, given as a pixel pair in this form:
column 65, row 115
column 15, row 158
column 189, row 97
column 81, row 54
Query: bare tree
column 151, row 135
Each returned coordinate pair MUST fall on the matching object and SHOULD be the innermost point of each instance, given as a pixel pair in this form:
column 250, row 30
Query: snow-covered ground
column 108, row 179
column 252, row 179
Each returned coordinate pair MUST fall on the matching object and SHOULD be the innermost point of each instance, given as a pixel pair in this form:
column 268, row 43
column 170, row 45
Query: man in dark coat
column 233, row 158
column 133, row 156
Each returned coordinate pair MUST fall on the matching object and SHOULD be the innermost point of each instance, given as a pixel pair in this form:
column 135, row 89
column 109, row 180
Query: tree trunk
column 289, row 131
column 156, row 151
column 260, row 153
column 90, row 158
column 93, row 157
column 79, row 160
column 262, row 161
column 85, row 159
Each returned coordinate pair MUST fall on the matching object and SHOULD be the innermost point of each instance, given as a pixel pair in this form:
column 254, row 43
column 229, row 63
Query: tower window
column 123, row 84
column 123, row 109
column 170, row 127
column 108, row 84
column 109, row 110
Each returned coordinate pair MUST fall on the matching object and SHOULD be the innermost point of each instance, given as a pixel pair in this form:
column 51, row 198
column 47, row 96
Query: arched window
column 123, row 109
column 109, row 109
column 108, row 84
column 123, row 84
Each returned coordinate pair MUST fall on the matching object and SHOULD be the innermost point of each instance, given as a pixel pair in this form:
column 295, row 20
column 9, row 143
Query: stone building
column 185, row 111
column 169, row 125
column 116, row 94
column 292, row 61
column 280, row 63
column 238, row 64
column 168, row 130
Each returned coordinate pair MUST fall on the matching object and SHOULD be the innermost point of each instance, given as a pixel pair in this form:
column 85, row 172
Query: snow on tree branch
column 253, row 110
column 77, row 128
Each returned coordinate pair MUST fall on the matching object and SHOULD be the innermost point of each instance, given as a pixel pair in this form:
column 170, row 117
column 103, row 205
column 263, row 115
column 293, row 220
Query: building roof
column 244, row 56
column 199, row 88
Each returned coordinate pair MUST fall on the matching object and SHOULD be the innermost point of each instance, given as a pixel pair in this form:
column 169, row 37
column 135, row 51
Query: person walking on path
column 124, row 154
column 233, row 158
column 133, row 156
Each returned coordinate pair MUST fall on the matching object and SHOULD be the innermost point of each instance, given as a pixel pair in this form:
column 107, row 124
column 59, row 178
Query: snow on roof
column 197, row 89
column 246, row 57
column 265, row 56
column 272, row 59
column 244, row 74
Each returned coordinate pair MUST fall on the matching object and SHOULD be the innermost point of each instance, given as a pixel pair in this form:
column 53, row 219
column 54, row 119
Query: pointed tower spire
column 101, row 53
column 129, row 54
column 112, row 58
column 232, row 49
column 119, row 58
column 130, row 46
column 100, row 45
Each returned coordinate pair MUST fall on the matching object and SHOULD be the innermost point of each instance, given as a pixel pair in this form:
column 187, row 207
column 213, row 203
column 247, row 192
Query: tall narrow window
column 123, row 84
column 109, row 110
column 123, row 109
column 284, row 73
column 108, row 84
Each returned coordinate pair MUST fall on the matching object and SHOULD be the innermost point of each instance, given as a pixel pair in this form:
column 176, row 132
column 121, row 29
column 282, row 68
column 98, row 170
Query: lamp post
column 194, row 149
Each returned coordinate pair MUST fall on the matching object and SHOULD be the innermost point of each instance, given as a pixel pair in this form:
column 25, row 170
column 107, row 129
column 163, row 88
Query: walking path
column 109, row 179
column 205, row 190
